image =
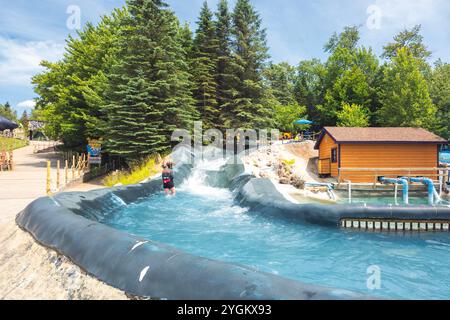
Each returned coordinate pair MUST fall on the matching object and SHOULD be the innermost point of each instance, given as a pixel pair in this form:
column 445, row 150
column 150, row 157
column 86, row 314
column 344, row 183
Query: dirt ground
column 31, row 271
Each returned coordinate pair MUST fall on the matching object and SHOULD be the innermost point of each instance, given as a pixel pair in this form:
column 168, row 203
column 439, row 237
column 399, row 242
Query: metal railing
column 441, row 174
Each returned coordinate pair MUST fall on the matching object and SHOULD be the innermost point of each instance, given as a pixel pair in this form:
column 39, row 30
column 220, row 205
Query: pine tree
column 247, row 109
column 7, row 112
column 71, row 91
column 149, row 93
column 204, row 68
column 224, row 76
column 24, row 120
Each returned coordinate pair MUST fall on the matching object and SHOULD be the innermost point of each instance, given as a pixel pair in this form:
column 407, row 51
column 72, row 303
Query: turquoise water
column 206, row 223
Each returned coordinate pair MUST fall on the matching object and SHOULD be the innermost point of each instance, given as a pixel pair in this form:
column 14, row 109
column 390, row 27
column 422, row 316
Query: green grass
column 11, row 144
column 136, row 174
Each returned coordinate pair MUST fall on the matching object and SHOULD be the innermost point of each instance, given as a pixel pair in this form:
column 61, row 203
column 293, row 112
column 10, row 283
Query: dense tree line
column 7, row 112
column 140, row 73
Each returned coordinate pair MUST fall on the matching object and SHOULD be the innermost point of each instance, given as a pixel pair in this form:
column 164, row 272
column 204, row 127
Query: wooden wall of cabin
column 325, row 148
column 387, row 156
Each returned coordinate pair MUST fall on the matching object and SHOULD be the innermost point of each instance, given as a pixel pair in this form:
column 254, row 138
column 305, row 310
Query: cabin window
column 334, row 153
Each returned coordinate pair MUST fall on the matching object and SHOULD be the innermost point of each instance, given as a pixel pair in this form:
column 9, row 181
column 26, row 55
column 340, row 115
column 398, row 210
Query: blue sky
column 32, row 30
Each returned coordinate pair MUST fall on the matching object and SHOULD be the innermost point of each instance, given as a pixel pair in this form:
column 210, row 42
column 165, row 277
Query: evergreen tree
column 309, row 87
column 71, row 90
column 149, row 90
column 247, row 109
column 404, row 96
column 187, row 41
column 7, row 112
column 24, row 120
column 280, row 79
column 204, row 69
column 224, row 75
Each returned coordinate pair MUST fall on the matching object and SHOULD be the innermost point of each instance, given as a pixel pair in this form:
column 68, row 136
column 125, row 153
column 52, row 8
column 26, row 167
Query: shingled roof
column 380, row 135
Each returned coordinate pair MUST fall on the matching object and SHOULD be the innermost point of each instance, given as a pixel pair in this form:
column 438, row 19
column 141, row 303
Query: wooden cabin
column 362, row 155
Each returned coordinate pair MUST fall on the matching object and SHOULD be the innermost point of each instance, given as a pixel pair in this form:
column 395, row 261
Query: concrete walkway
column 27, row 269
column 27, row 181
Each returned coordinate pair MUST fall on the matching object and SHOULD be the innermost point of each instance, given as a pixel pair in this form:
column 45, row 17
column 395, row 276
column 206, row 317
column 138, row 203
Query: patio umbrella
column 6, row 124
column 303, row 121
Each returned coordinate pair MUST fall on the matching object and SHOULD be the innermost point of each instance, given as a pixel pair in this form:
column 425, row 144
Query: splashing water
column 196, row 182
column 118, row 200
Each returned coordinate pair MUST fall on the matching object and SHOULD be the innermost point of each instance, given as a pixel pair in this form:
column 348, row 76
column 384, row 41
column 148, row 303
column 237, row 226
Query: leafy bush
column 137, row 173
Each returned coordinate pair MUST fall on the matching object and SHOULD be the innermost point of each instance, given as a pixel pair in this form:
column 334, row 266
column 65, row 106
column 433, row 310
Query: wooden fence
column 67, row 171
column 6, row 159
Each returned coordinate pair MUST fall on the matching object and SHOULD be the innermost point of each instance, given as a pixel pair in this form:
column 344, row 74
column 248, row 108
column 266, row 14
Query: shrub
column 137, row 172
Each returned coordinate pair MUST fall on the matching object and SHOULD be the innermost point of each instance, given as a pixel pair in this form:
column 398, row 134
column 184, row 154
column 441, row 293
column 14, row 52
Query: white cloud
column 407, row 13
column 19, row 61
column 27, row 104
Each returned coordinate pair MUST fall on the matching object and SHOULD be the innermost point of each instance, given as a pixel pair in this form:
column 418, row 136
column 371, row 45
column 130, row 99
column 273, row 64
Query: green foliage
column 280, row 79
column 224, row 75
column 247, row 108
column 350, row 75
column 286, row 115
column 309, row 87
column 404, row 95
column 353, row 116
column 289, row 163
column 440, row 94
column 138, row 75
column 71, row 90
column 7, row 112
column 138, row 172
column 411, row 39
column 149, row 93
column 24, row 120
column 204, row 69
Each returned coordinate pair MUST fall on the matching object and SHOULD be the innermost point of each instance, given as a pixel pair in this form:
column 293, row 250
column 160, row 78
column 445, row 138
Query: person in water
column 167, row 179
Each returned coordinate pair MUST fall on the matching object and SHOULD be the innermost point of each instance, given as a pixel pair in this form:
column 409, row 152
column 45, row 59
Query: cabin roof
column 386, row 135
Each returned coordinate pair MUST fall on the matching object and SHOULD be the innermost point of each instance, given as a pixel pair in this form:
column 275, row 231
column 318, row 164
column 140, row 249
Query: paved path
column 27, row 269
column 25, row 183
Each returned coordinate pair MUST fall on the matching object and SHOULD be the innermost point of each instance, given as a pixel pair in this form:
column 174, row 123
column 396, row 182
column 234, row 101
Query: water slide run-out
column 89, row 229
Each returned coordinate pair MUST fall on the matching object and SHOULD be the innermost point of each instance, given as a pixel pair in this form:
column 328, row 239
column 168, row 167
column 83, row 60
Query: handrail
column 394, row 169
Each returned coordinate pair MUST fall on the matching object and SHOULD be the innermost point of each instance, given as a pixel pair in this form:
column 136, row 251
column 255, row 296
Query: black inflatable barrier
column 69, row 224
column 262, row 196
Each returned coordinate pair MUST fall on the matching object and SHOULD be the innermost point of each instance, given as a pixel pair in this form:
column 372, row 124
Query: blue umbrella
column 303, row 121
